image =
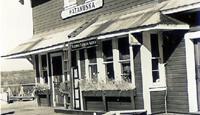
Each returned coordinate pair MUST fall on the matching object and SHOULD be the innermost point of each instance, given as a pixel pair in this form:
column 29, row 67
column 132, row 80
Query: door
column 57, row 78
column 197, row 60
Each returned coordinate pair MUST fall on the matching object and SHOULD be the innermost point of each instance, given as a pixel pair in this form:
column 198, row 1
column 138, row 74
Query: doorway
column 57, row 78
column 197, row 66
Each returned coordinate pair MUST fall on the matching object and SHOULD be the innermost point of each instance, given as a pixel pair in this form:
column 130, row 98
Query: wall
column 157, row 101
column 139, row 103
column 176, row 75
column 47, row 15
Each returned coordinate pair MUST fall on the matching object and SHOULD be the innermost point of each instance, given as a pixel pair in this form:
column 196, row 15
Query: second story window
column 108, row 58
column 92, row 62
column 124, row 58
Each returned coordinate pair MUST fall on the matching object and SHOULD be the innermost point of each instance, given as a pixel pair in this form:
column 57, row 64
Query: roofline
column 182, row 8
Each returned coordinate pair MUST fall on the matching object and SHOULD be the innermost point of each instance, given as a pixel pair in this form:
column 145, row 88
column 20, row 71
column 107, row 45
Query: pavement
column 27, row 108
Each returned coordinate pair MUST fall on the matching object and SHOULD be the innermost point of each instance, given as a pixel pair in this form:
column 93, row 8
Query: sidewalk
column 28, row 108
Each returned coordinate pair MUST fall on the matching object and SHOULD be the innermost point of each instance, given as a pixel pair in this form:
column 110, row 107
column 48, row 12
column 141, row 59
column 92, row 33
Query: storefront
column 138, row 58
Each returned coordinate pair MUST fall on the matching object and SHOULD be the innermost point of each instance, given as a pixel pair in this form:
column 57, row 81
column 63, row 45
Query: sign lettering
column 84, row 44
column 88, row 6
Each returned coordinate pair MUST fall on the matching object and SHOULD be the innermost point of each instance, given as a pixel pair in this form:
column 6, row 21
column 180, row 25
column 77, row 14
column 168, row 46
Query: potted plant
column 42, row 92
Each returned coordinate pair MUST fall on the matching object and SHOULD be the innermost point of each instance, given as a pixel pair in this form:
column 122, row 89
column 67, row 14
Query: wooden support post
column 104, row 102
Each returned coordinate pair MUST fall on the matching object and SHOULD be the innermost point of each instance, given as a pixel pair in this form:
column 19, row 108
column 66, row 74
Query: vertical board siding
column 139, row 103
column 176, row 75
column 47, row 16
column 157, row 101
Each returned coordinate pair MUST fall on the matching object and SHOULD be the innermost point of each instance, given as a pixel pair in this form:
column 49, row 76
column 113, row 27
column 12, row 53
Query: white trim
column 132, row 62
column 100, row 64
column 52, row 78
column 116, row 64
column 146, row 70
column 181, row 8
column 79, row 72
column 158, row 89
column 191, row 74
column 86, row 65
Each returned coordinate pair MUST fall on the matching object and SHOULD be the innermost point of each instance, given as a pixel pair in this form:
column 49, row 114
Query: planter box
column 44, row 98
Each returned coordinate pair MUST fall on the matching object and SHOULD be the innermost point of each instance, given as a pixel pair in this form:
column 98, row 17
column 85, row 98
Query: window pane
column 126, row 71
column 44, row 61
column 92, row 54
column 110, row 71
column 81, row 53
column 155, row 76
column 123, row 46
column 45, row 76
column 154, row 45
column 107, row 50
column 73, row 56
column 93, row 71
column 154, row 64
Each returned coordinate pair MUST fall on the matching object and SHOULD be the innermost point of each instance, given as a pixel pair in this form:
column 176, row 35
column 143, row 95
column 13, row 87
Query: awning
column 52, row 40
column 150, row 19
column 174, row 6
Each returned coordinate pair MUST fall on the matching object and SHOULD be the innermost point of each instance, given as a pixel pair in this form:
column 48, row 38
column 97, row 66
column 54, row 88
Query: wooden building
column 107, row 55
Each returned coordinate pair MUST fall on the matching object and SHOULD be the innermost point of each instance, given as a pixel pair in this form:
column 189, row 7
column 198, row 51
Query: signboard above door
column 71, row 8
column 84, row 44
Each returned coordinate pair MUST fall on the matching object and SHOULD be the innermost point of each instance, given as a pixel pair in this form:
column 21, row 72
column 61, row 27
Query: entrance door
column 197, row 59
column 57, row 78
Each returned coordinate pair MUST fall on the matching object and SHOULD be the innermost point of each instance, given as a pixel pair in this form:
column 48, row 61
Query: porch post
column 146, row 70
column 191, row 74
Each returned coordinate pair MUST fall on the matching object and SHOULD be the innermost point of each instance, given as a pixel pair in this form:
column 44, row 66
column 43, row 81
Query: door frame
column 52, row 79
column 197, row 56
column 191, row 70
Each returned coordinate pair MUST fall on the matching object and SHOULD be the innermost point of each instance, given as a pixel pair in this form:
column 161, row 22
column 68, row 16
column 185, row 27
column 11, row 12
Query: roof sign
column 75, row 10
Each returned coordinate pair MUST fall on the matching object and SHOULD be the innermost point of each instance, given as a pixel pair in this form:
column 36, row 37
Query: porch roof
column 174, row 6
column 47, row 41
column 132, row 21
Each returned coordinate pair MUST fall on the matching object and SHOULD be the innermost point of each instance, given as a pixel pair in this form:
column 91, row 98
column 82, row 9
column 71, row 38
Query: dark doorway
column 57, row 75
column 197, row 60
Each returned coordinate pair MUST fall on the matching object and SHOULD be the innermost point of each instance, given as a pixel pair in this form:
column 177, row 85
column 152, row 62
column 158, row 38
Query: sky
column 15, row 28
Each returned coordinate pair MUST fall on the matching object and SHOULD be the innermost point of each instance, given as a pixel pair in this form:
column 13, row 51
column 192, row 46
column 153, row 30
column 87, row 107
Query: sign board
column 84, row 44
column 87, row 6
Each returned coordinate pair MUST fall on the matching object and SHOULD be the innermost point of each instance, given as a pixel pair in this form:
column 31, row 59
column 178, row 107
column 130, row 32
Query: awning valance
column 47, row 41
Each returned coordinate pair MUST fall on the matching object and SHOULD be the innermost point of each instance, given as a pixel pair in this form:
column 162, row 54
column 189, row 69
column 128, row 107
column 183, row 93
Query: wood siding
column 94, row 103
column 176, row 75
column 139, row 103
column 47, row 15
column 157, row 101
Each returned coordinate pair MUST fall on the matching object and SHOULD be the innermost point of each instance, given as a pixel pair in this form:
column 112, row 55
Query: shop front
column 131, row 59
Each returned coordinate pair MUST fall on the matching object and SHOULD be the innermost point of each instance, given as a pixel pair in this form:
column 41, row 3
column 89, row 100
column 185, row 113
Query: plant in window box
column 64, row 88
column 41, row 89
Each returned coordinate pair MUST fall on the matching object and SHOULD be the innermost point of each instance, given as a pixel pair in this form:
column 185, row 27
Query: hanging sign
column 84, row 44
column 87, row 6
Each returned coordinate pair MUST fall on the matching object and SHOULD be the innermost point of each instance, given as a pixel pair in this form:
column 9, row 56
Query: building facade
column 108, row 55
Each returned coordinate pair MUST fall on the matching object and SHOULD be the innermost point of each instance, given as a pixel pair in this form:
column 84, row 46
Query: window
column 43, row 68
column 108, row 58
column 155, row 57
column 92, row 62
column 124, row 56
column 82, row 62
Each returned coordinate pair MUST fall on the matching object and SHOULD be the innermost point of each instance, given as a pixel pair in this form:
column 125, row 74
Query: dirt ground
column 27, row 108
